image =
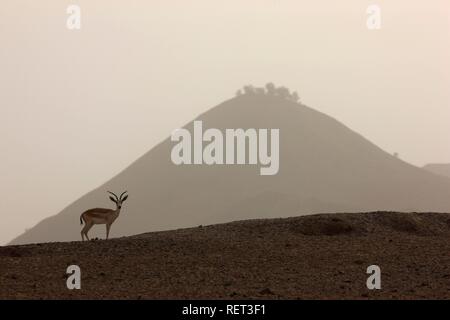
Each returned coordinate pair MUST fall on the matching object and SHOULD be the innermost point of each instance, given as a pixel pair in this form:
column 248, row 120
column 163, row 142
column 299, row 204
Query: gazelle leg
column 86, row 229
column 83, row 232
column 108, row 226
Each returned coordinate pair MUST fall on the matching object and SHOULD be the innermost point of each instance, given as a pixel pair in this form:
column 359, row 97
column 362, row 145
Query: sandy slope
column 320, row 256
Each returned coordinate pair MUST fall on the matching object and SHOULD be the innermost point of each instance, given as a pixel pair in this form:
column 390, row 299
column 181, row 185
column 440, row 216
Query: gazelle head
column 118, row 200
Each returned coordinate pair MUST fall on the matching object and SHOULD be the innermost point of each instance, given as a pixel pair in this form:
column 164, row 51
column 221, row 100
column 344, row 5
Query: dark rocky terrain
column 309, row 257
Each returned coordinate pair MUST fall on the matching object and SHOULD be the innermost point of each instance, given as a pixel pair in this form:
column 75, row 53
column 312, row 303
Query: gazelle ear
column 112, row 199
column 125, row 198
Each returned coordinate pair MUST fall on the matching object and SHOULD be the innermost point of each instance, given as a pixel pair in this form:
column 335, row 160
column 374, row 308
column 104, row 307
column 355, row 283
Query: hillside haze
column 324, row 167
column 442, row 169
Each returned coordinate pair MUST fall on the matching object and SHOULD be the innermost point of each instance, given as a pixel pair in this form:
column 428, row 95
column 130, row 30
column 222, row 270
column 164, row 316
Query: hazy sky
column 79, row 106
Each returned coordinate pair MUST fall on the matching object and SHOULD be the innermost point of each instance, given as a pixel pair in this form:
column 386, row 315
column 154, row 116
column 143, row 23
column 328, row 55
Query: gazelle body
column 102, row 216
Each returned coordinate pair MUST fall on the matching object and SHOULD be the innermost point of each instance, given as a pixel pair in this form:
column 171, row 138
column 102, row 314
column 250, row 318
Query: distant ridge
column 442, row 169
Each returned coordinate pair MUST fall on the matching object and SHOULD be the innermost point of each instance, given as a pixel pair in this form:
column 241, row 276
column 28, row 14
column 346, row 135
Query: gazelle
column 102, row 216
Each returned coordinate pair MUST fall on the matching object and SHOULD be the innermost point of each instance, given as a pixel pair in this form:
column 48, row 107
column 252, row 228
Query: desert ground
column 310, row 257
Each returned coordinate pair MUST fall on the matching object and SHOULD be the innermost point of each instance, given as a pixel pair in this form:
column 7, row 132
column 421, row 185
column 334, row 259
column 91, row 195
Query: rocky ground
column 311, row 257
